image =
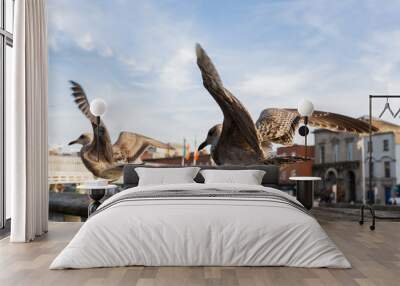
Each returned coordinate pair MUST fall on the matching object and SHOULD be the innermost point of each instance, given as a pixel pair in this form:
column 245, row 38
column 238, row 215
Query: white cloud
column 135, row 66
column 85, row 41
column 177, row 72
column 107, row 52
column 160, row 52
column 272, row 83
column 67, row 26
column 382, row 57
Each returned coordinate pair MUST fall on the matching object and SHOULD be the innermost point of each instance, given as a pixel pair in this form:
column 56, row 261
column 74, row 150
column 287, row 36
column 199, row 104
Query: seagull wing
column 129, row 146
column 238, row 128
column 83, row 104
column 82, row 101
column 279, row 125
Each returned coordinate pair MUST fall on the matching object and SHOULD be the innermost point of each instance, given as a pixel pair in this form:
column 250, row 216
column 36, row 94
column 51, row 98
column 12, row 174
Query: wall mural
column 237, row 141
column 231, row 100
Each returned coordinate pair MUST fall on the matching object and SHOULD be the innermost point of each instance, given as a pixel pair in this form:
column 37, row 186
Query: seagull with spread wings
column 112, row 157
column 238, row 141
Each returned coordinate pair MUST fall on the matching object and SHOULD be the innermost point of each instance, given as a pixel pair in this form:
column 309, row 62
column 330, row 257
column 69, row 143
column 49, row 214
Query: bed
column 197, row 224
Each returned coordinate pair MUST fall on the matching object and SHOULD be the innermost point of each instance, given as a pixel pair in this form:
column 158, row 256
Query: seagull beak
column 202, row 145
column 72, row 142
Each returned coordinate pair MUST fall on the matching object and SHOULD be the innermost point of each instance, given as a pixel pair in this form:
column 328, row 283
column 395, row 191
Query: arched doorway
column 351, row 186
column 331, row 183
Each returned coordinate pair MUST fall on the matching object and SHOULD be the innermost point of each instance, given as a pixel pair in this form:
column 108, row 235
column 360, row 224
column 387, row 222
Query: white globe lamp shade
column 98, row 107
column 305, row 108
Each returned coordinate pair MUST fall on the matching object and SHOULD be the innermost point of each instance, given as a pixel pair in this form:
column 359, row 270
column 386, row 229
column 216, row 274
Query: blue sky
column 139, row 56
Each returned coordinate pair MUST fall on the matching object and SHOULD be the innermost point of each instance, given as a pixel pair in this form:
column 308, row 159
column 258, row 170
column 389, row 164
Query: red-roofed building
column 298, row 168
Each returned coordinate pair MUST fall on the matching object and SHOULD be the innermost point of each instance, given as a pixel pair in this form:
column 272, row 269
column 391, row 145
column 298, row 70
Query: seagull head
column 212, row 137
column 84, row 139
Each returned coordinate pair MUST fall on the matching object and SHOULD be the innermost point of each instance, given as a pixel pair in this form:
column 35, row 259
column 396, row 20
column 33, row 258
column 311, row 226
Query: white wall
column 379, row 156
column 397, row 155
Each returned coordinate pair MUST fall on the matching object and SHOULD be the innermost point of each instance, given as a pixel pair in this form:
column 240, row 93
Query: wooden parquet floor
column 375, row 257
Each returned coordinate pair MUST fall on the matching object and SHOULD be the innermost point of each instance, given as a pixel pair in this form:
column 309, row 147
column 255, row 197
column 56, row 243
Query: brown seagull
column 112, row 157
column 238, row 141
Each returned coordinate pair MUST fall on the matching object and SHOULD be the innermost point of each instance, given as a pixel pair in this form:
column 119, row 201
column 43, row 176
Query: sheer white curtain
column 27, row 123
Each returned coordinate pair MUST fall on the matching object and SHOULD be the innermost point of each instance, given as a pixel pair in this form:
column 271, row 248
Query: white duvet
column 200, row 231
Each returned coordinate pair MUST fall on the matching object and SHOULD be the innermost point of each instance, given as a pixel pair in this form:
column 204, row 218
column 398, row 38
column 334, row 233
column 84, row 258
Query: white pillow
column 165, row 176
column 248, row 177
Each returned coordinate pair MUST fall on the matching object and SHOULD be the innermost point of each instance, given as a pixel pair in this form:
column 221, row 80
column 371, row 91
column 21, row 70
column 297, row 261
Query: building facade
column 384, row 172
column 67, row 168
column 341, row 160
column 337, row 162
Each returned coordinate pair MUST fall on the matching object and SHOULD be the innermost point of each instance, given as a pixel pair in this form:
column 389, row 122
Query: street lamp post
column 305, row 109
column 98, row 107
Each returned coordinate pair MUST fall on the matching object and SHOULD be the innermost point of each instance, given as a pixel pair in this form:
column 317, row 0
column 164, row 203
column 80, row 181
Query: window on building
column 349, row 151
column 6, row 43
column 335, row 152
column 385, row 145
column 322, row 153
column 387, row 169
